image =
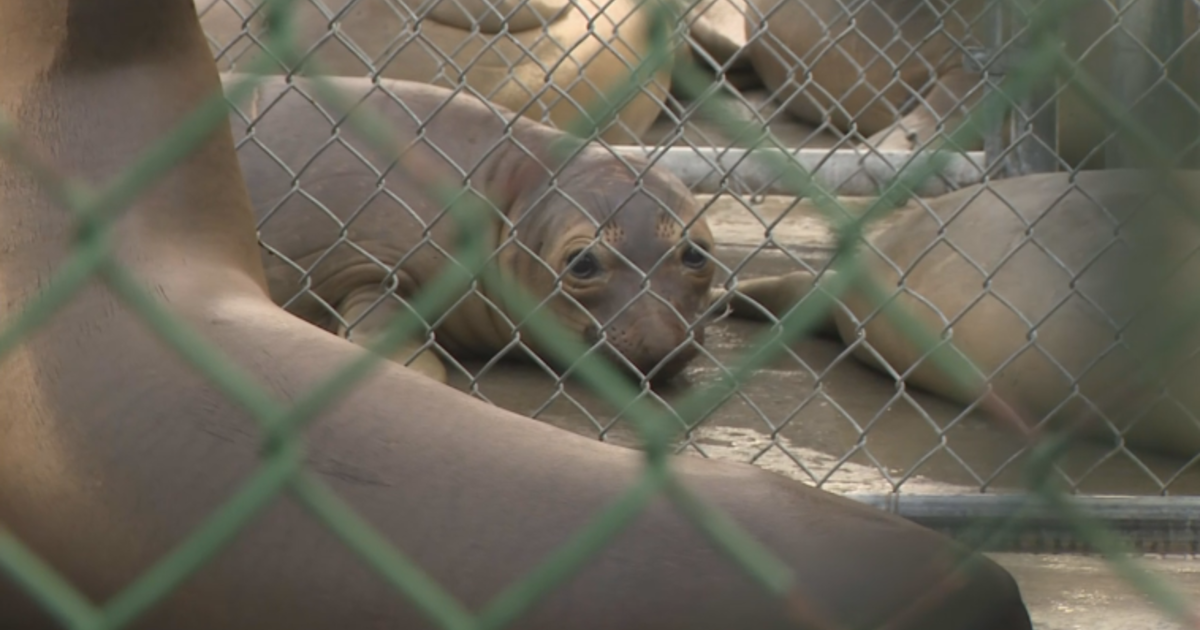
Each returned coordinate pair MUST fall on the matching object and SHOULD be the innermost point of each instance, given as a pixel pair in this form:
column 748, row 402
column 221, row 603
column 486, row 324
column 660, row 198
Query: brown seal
column 549, row 60
column 1043, row 282
column 114, row 448
column 859, row 65
column 612, row 247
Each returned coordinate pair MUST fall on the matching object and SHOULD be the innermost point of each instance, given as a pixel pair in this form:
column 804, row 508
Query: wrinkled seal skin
column 647, row 222
column 113, row 449
column 824, row 67
column 1083, row 288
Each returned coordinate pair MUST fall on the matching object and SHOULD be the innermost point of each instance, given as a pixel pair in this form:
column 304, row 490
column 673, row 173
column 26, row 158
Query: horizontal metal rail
column 849, row 172
column 1147, row 524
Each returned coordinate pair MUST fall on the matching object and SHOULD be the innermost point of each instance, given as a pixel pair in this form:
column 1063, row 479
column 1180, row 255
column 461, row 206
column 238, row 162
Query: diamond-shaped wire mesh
column 993, row 253
column 861, row 89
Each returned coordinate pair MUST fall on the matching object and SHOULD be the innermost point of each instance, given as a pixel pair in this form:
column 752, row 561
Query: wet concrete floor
column 819, row 416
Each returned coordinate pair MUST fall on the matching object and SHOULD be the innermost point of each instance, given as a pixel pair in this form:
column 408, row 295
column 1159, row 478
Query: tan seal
column 893, row 70
column 114, row 448
column 548, row 60
column 859, row 64
column 1041, row 283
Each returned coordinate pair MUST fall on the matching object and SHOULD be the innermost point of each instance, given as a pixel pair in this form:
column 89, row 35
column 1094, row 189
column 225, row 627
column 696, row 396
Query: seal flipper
column 366, row 314
column 762, row 299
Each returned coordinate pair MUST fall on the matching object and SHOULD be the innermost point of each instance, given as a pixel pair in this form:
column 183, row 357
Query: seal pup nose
column 668, row 355
column 655, row 344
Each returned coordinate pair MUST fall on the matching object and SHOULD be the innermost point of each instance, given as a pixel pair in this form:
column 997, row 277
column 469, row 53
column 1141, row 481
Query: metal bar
column 1031, row 129
column 1152, row 31
column 1169, row 38
column 1149, row 524
column 1132, row 72
column 988, row 63
column 1026, row 140
column 1037, row 129
column 711, row 170
column 1037, row 124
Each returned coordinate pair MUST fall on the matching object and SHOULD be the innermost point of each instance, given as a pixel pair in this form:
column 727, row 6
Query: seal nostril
column 591, row 333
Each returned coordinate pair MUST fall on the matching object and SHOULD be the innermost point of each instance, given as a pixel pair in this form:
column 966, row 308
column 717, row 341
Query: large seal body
column 613, row 247
column 893, row 70
column 114, row 448
column 549, row 60
column 1045, row 284
column 859, row 64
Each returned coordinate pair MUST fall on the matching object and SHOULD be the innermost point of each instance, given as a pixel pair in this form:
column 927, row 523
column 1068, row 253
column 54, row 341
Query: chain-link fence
column 856, row 92
column 933, row 129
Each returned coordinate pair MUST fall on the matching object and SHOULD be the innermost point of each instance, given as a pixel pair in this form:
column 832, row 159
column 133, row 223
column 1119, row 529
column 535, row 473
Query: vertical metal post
column 1035, row 120
column 989, row 64
column 1031, row 127
column 1132, row 73
column 1151, row 32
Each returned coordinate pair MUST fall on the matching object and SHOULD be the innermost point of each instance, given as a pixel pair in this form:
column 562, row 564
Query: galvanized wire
column 283, row 452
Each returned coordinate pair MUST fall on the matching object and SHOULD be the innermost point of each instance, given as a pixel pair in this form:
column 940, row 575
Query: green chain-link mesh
column 283, row 451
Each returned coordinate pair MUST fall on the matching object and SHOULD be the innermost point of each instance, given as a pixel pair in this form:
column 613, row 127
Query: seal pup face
column 622, row 259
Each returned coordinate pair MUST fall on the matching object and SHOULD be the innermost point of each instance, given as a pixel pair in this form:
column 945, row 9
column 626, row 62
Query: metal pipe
column 1026, row 140
column 1151, row 30
column 849, row 172
column 1131, row 74
column 1036, row 124
column 1148, row 524
column 990, row 64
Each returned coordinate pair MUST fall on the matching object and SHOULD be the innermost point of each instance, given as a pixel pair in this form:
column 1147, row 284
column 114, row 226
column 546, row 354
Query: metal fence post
column 1151, row 33
column 1031, row 129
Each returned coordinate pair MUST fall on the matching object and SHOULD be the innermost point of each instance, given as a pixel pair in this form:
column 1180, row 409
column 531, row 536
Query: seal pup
column 114, row 449
column 612, row 247
column 1042, row 281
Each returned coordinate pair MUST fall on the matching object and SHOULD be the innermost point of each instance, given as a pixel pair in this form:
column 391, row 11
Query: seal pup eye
column 583, row 265
column 694, row 257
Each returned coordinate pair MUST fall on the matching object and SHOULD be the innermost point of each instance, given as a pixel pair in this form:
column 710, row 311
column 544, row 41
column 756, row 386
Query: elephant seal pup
column 344, row 233
column 1039, row 282
column 548, row 60
column 114, row 449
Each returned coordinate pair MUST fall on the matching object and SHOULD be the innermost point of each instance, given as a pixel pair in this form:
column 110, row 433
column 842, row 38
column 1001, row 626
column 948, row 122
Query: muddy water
column 816, row 414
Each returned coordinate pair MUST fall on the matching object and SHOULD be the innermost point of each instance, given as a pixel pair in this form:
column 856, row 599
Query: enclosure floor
column 1066, row 592
column 802, row 417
